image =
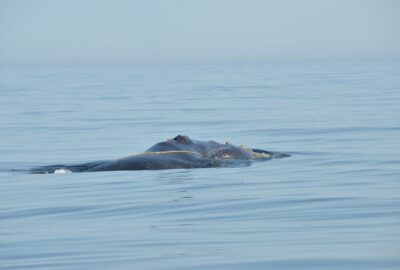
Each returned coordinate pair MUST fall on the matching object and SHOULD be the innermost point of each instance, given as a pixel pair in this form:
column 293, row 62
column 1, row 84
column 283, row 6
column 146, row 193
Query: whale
column 180, row 152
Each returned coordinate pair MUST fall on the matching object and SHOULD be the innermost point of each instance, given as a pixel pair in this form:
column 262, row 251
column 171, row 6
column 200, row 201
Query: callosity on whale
column 177, row 153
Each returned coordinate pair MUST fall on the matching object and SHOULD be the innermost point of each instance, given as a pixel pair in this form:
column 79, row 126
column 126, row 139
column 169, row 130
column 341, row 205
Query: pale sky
column 185, row 31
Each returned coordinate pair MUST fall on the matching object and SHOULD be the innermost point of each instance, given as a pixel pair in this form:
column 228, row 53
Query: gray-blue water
column 334, row 204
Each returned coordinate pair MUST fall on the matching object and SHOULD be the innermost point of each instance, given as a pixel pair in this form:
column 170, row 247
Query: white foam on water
column 62, row 171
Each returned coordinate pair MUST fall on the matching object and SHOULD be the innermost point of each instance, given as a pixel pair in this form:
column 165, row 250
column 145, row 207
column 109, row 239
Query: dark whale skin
column 180, row 152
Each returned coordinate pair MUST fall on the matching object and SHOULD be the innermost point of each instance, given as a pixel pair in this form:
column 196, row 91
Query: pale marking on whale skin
column 256, row 155
column 165, row 153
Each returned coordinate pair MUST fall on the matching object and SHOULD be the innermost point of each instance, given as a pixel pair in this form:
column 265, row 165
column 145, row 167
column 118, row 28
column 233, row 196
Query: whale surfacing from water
column 180, row 152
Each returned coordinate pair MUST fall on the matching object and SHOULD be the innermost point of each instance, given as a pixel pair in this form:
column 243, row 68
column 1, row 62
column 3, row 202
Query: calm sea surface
column 334, row 204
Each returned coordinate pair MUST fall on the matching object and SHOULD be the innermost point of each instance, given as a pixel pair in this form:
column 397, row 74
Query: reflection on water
column 334, row 204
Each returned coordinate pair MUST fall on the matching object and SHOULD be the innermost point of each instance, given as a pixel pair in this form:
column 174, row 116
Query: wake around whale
column 180, row 152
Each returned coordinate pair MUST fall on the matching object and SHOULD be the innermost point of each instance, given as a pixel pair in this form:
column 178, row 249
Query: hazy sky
column 169, row 31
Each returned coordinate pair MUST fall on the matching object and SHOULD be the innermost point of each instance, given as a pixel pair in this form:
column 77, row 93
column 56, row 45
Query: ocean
column 334, row 204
